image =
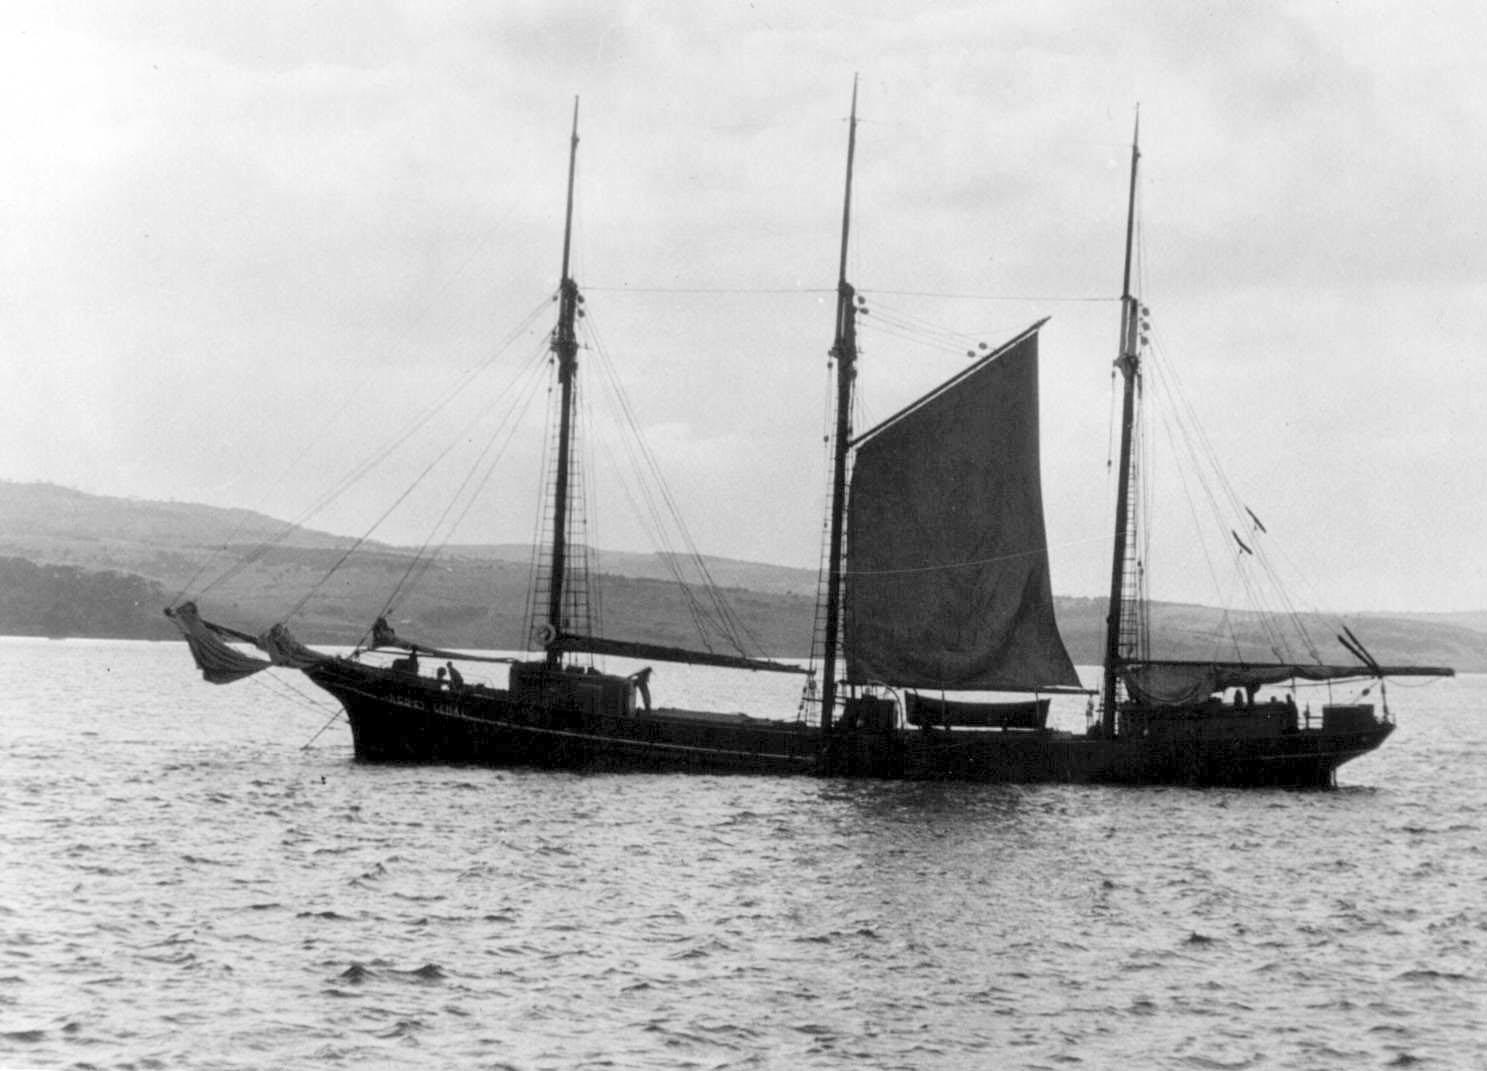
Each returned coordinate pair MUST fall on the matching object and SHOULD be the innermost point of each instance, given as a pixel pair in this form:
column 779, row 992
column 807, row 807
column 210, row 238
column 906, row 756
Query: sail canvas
column 947, row 562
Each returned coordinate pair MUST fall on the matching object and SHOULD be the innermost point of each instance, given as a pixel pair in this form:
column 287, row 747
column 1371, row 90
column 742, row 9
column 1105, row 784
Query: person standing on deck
column 643, row 685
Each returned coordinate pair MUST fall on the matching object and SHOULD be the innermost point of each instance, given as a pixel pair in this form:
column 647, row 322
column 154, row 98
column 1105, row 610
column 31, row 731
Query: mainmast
column 565, row 347
column 1129, row 363
column 844, row 350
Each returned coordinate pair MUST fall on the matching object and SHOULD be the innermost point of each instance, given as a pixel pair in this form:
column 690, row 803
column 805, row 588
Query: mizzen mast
column 1129, row 363
column 844, row 350
column 565, row 348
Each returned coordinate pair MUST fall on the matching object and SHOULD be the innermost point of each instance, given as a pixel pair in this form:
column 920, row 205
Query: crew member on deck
column 643, row 685
column 456, row 680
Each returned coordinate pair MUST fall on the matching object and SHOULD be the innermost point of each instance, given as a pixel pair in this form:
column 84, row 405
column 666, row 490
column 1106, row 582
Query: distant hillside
column 169, row 541
column 87, row 565
column 1188, row 632
column 60, row 600
column 1473, row 620
column 726, row 572
column 470, row 596
column 162, row 541
column 32, row 514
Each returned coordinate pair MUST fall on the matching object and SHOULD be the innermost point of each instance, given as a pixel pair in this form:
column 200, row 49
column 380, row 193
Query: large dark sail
column 947, row 560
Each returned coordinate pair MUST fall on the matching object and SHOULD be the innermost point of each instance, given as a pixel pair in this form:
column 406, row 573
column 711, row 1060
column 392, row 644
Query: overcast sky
column 245, row 245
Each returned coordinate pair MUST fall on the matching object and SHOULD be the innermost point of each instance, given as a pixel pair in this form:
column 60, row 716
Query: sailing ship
column 937, row 584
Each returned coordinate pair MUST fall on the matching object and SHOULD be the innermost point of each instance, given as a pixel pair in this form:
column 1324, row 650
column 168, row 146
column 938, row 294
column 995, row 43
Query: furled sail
column 383, row 635
column 661, row 653
column 1183, row 683
column 947, row 562
column 221, row 663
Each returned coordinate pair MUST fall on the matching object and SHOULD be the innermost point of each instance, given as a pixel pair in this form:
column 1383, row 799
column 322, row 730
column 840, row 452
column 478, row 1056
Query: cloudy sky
column 246, row 247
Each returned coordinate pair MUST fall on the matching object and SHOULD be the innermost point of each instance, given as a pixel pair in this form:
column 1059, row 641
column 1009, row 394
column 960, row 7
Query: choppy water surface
column 186, row 885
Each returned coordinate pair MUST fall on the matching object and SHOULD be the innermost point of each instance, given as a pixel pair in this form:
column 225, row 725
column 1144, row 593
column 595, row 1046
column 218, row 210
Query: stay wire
column 1230, row 513
column 485, row 464
column 646, row 511
column 650, row 513
column 432, row 301
column 366, row 535
column 367, row 465
column 723, row 616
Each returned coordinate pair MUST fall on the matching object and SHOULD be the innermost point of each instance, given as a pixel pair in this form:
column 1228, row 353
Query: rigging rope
column 509, row 422
column 1188, row 435
column 657, row 495
column 818, row 624
column 625, row 289
column 949, row 295
column 335, row 717
column 1036, row 298
column 365, row 536
column 1270, row 601
column 431, row 301
column 547, row 465
column 367, row 465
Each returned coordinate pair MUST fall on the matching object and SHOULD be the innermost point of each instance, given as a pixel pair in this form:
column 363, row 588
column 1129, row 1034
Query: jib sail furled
column 221, row 663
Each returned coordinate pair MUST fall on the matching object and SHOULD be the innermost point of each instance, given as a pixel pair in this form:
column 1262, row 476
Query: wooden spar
column 1129, row 364
column 565, row 347
column 664, row 653
column 844, row 349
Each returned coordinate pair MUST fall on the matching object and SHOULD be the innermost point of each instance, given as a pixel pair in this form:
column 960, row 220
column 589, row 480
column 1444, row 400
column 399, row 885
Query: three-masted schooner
column 937, row 583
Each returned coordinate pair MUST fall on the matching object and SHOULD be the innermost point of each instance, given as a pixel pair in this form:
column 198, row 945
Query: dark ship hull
column 574, row 720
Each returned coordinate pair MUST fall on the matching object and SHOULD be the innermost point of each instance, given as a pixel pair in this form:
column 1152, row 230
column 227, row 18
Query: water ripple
column 195, row 890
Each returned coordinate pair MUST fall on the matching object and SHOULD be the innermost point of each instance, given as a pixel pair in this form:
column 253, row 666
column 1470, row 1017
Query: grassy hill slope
column 89, row 565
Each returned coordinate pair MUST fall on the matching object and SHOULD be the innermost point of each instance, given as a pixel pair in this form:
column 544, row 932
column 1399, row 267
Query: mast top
column 1131, row 205
column 847, row 198
column 572, row 164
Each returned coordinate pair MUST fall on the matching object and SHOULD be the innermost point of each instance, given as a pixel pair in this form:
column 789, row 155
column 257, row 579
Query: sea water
column 200, row 877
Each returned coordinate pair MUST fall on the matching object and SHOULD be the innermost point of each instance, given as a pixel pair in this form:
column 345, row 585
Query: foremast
column 844, row 351
column 1129, row 363
column 565, row 349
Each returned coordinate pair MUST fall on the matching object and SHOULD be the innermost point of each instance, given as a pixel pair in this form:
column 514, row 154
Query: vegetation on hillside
column 86, row 565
